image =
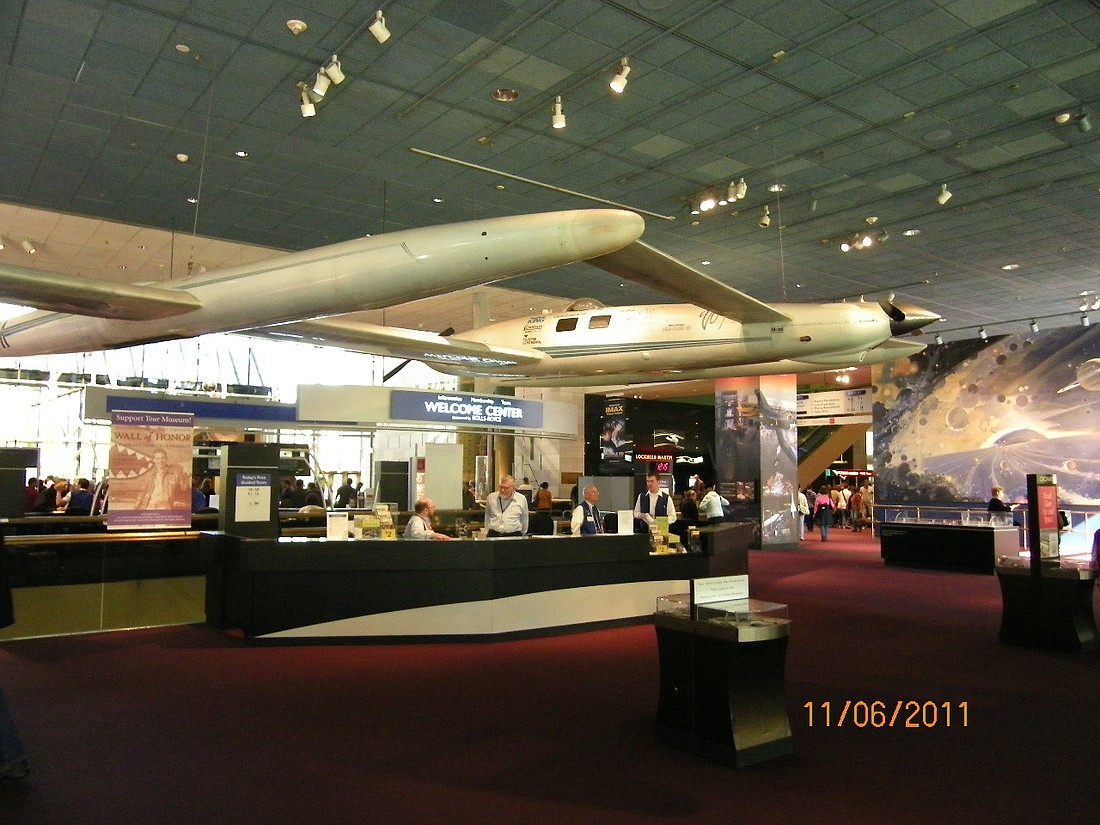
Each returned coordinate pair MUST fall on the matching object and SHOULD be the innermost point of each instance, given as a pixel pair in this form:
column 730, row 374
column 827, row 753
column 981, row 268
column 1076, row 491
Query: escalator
column 819, row 447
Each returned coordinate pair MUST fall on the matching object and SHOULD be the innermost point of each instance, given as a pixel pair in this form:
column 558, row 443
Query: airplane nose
column 907, row 317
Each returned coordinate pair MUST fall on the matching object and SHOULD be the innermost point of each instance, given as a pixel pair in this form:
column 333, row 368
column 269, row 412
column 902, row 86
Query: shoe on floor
column 16, row 769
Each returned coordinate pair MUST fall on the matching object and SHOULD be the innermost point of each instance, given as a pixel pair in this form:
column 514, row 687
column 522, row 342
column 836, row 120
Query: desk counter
column 303, row 590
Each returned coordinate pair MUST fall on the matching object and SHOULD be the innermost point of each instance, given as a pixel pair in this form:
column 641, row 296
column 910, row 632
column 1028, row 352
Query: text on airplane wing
column 641, row 263
column 85, row 296
column 396, row 342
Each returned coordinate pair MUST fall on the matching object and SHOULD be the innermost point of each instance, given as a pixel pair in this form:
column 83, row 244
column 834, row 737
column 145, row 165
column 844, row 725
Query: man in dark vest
column 587, row 518
column 652, row 504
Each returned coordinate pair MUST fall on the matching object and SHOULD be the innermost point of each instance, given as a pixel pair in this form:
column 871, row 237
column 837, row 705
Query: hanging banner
column 150, row 470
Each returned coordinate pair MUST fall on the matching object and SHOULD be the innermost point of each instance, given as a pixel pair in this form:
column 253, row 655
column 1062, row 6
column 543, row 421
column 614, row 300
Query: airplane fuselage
column 678, row 341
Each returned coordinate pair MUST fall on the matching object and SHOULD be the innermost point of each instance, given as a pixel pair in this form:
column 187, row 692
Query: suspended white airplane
column 300, row 296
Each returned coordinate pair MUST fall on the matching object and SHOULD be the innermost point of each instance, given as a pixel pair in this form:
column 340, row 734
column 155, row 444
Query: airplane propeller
column 405, row 363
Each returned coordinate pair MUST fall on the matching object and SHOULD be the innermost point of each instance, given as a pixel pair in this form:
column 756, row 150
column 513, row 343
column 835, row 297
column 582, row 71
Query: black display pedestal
column 1050, row 609
column 721, row 696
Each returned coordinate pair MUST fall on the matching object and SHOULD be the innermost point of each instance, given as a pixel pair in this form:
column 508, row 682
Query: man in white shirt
column 654, row 503
column 587, row 518
column 506, row 513
column 420, row 523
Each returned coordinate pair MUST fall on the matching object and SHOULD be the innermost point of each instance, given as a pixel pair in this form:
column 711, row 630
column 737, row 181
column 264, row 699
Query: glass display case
column 721, row 691
column 746, row 619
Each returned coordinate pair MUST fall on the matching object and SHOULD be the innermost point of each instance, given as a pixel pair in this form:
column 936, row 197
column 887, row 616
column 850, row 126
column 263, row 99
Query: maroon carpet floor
column 188, row 725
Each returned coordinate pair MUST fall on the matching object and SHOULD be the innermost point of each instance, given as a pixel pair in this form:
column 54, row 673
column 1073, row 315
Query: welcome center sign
column 458, row 408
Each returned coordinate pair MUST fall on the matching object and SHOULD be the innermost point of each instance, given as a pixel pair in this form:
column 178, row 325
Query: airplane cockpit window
column 566, row 324
column 583, row 305
column 599, row 322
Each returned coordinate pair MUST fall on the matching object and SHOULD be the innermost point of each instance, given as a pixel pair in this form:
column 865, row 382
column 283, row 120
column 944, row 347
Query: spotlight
column 1083, row 122
column 1084, row 320
column 558, row 120
column 29, row 247
column 308, row 109
column 741, row 189
column 321, row 83
column 1034, row 325
column 334, row 70
column 765, row 218
column 939, row 339
column 618, row 82
column 866, row 241
column 707, row 203
column 983, row 334
column 883, row 236
column 378, row 28
column 1096, row 301
column 944, row 196
column 845, row 246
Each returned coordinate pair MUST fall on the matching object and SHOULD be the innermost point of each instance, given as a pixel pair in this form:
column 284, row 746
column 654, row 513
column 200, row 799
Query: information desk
column 1047, row 609
column 972, row 548
column 302, row 590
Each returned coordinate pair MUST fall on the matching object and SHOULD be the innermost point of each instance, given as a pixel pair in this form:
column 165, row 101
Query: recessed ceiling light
column 909, row 233
column 296, row 26
column 192, row 199
column 1063, row 117
column 437, row 200
column 182, row 157
column 182, row 48
column 777, row 187
column 1010, row 267
column 241, row 153
column 505, row 95
column 705, row 263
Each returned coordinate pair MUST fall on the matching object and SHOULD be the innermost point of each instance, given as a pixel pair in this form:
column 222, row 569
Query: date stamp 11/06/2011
column 900, row 713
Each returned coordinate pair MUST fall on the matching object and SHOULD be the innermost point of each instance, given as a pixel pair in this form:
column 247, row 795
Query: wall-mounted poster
column 150, row 470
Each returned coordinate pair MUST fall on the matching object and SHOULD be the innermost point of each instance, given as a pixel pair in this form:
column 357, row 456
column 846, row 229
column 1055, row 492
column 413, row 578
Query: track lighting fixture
column 1034, row 325
column 29, row 247
column 618, row 82
column 939, row 339
column 1083, row 122
column 983, row 334
column 334, row 71
column 1084, row 320
column 944, row 196
column 1096, row 302
column 707, row 203
column 558, row 120
column 765, row 218
column 321, row 82
column 378, row 28
column 845, row 246
column 307, row 107
column 741, row 189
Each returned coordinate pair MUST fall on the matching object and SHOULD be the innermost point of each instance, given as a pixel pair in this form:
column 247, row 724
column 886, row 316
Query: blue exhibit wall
column 958, row 418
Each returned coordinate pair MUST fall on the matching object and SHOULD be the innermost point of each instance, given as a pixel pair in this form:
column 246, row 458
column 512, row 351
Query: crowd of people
column 836, row 505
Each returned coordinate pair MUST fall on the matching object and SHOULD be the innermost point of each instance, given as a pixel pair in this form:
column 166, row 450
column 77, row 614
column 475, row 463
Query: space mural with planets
column 957, row 419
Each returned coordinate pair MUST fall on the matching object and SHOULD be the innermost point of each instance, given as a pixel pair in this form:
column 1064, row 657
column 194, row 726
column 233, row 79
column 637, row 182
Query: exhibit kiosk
column 722, row 659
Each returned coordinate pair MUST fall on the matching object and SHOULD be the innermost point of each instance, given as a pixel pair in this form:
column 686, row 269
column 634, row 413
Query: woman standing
column 823, row 511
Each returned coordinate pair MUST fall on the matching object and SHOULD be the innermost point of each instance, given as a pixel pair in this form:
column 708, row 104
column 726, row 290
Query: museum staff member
column 420, row 523
column 653, row 503
column 587, row 518
column 506, row 513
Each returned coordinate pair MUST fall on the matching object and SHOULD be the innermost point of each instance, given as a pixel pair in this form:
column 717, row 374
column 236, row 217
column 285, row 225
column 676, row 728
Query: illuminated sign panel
column 458, row 408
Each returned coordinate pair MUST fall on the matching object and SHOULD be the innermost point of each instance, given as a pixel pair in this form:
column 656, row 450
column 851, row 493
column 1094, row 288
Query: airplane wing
column 645, row 265
column 397, row 342
column 86, row 296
